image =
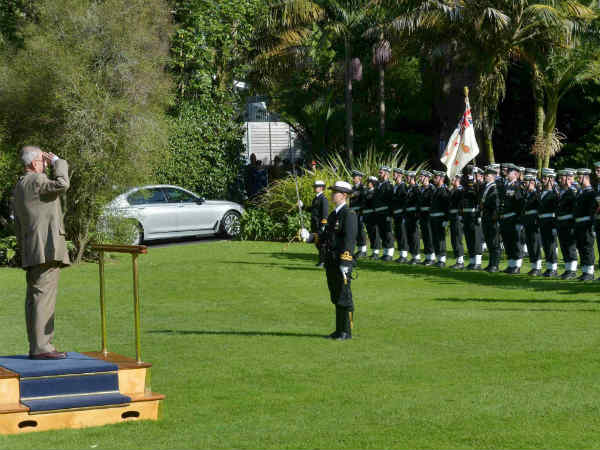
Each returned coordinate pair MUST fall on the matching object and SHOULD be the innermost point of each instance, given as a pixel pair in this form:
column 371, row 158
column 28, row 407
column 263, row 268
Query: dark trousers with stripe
column 548, row 234
column 438, row 231
column 426, row 234
column 533, row 239
column 412, row 234
column 457, row 235
column 400, row 233
column 491, row 234
column 361, row 237
column 473, row 234
column 511, row 238
column 372, row 232
column 568, row 243
column 384, row 228
column 584, row 238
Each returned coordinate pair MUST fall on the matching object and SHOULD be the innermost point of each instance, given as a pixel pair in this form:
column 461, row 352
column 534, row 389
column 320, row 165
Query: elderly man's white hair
column 29, row 154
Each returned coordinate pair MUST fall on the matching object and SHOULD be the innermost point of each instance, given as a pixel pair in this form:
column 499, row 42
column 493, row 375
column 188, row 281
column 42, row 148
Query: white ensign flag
column 462, row 146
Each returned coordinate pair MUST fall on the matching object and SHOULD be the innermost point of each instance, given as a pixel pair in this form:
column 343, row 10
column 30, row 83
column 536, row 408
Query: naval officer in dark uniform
column 531, row 224
column 357, row 204
column 511, row 205
column 338, row 240
column 456, row 223
column 489, row 206
column 547, row 205
column 584, row 212
column 439, row 216
column 566, row 223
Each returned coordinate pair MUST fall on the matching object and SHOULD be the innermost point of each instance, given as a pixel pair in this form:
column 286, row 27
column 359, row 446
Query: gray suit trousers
column 42, row 286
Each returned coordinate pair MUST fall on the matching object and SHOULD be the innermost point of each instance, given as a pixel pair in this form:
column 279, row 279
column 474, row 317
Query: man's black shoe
column 491, row 269
column 386, row 258
column 458, row 266
column 534, row 273
column 413, row 262
column 343, row 336
column 568, row 275
column 550, row 273
column 333, row 335
column 474, row 267
column 360, row 255
column 428, row 262
column 440, row 264
column 320, row 264
column 586, row 277
column 514, row 270
column 374, row 256
column 402, row 260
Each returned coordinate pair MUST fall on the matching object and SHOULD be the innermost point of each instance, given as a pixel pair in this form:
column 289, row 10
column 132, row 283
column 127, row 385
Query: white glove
column 300, row 204
column 345, row 270
column 444, row 224
column 305, row 235
column 479, row 220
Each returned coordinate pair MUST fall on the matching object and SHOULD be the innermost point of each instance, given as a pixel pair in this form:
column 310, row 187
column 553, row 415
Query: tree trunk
column 348, row 97
column 552, row 101
column 539, row 143
column 488, row 132
column 381, row 68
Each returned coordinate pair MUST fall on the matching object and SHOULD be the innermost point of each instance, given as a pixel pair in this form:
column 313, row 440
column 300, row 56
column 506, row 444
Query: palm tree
column 291, row 21
column 490, row 34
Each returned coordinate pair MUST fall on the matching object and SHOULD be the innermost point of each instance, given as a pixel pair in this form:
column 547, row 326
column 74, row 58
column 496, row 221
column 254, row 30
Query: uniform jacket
column 511, row 200
column 413, row 198
column 39, row 225
column 566, row 206
column 318, row 213
column 398, row 202
column 357, row 198
column 426, row 199
column 470, row 196
column 490, row 202
column 531, row 209
column 339, row 237
column 383, row 197
column 585, row 206
column 440, row 202
column 455, row 202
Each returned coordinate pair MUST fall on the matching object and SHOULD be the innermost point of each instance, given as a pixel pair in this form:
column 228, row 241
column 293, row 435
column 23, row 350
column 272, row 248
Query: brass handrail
column 134, row 251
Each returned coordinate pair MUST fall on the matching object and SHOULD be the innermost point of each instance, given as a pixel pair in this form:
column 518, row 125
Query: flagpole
column 468, row 103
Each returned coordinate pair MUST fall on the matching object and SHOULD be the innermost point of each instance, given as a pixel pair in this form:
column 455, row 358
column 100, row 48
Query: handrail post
column 136, row 309
column 102, row 304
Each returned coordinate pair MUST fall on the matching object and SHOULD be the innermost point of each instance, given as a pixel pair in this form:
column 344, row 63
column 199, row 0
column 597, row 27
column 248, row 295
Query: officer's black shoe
column 568, row 275
column 586, row 277
column 386, row 258
column 507, row 270
column 374, row 256
column 491, row 269
column 414, row 262
column 334, row 335
column 360, row 255
column 401, row 260
column 513, row 270
column 534, row 273
column 474, row 267
column 320, row 264
column 458, row 266
column 440, row 264
column 550, row 273
column 428, row 262
column 343, row 336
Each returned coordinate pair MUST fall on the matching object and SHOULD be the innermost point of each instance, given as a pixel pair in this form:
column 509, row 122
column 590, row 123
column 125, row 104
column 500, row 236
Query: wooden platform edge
column 123, row 362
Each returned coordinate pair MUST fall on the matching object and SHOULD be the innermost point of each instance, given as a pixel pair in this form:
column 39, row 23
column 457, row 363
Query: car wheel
column 138, row 235
column 230, row 224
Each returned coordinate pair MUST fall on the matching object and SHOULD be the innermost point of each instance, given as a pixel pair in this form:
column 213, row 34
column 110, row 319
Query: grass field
column 440, row 359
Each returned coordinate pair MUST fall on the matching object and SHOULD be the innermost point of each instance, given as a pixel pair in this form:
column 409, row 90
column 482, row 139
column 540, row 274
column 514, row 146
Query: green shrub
column 257, row 225
column 8, row 251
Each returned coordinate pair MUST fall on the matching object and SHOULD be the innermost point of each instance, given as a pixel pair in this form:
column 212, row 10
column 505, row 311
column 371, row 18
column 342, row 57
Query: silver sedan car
column 164, row 211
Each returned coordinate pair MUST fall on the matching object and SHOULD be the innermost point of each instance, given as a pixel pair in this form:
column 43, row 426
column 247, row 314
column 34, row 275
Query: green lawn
column 440, row 359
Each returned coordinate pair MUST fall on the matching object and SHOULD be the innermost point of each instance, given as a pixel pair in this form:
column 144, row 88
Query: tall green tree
column 89, row 84
column 291, row 21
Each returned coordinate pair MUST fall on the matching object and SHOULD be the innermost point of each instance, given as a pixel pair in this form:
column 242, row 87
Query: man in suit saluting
column 40, row 235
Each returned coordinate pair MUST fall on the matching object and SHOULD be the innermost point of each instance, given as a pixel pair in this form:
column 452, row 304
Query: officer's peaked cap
column 319, row 183
column 341, row 186
column 357, row 173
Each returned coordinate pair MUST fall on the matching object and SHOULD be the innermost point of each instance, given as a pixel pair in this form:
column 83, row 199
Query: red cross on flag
column 462, row 146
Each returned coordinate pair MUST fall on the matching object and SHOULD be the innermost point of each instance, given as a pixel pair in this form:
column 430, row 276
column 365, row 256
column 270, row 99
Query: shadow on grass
column 236, row 333
column 525, row 301
column 450, row 276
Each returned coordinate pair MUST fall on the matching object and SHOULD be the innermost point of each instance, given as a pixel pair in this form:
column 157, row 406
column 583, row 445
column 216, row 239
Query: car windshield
column 147, row 196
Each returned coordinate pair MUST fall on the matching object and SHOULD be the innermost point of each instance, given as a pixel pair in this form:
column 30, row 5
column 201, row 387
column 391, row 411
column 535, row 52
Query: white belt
column 469, row 210
column 547, row 216
column 531, row 211
column 381, row 208
column 367, row 211
column 355, row 208
column 565, row 217
column 582, row 219
column 453, row 211
column 438, row 214
column 411, row 209
column 508, row 215
column 424, row 208
column 398, row 211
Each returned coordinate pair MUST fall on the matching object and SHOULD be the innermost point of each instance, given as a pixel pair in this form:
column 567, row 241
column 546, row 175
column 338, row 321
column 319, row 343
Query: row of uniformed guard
column 503, row 206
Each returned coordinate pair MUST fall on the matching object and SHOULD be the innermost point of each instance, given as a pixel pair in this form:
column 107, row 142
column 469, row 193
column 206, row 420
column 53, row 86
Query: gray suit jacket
column 38, row 214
